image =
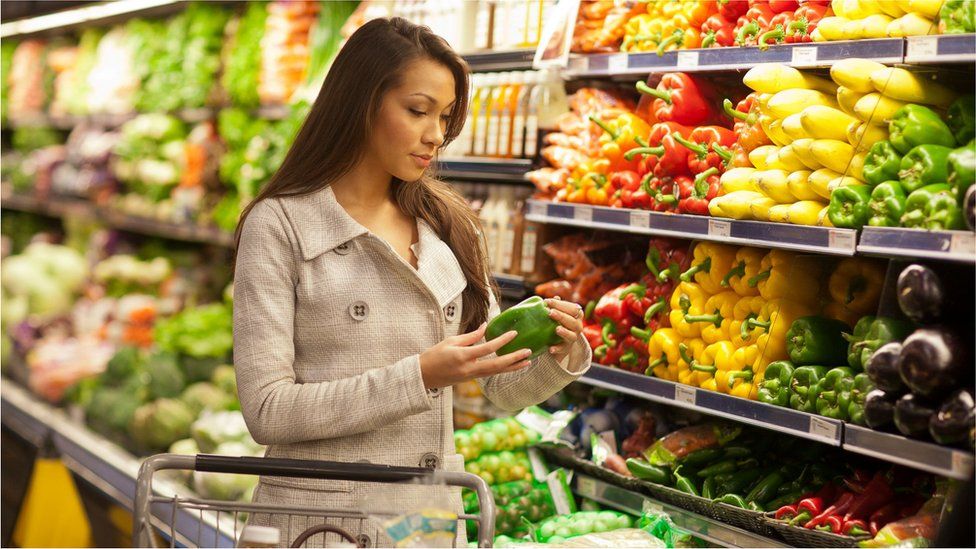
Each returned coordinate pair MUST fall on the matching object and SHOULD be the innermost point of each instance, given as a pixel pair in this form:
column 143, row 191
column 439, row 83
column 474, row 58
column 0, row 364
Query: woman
column 362, row 287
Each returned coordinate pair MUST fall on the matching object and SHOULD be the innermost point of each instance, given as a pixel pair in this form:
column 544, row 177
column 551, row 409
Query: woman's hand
column 459, row 358
column 570, row 317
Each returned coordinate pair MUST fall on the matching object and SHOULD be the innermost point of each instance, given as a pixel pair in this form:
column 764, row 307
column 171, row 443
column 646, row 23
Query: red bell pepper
column 732, row 9
column 779, row 6
column 680, row 98
column 837, row 510
column 624, row 183
column 700, row 142
column 753, row 23
column 717, row 31
column 747, row 129
column 776, row 32
column 805, row 21
column 634, row 354
column 684, row 189
column 613, row 315
column 672, row 158
column 704, row 189
column 593, row 334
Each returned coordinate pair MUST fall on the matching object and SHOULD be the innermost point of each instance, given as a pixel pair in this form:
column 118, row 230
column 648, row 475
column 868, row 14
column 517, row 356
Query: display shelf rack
column 102, row 13
column 110, row 120
column 512, row 286
column 946, row 48
column 822, row 240
column 784, row 420
column 512, row 60
column 806, row 55
column 718, row 533
column 484, row 169
column 104, row 465
column 915, row 243
column 941, row 460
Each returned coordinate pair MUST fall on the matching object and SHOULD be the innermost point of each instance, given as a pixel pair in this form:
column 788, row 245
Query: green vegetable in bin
column 887, row 204
column 816, row 340
column 651, row 473
column 932, row 207
column 501, row 467
column 765, row 489
column 957, row 17
column 859, row 391
column 850, row 206
column 513, row 500
column 559, row 528
column 962, row 168
column 869, row 334
column 775, row 387
column 803, row 387
column 914, row 125
column 530, row 318
column 834, row 393
column 924, row 165
column 493, row 436
column 881, row 163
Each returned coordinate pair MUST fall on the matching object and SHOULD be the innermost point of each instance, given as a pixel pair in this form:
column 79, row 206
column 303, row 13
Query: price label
column 840, row 239
column 537, row 208
column 717, row 227
column 539, row 469
column 922, row 47
column 963, row 243
column 962, row 463
column 823, row 428
column 583, row 213
column 640, row 220
column 687, row 59
column 617, row 63
column 804, row 55
column 683, row 393
column 586, row 487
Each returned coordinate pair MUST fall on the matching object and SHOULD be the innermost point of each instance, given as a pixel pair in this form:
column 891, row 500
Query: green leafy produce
column 123, row 364
column 6, row 61
column 199, row 368
column 149, row 157
column 240, row 77
column 206, row 396
column 166, row 379
column 156, row 425
column 111, row 409
column 79, row 88
column 493, row 436
column 31, row 138
column 213, row 429
column 204, row 331
column 256, row 148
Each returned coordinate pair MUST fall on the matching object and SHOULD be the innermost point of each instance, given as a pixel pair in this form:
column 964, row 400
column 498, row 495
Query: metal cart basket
column 151, row 507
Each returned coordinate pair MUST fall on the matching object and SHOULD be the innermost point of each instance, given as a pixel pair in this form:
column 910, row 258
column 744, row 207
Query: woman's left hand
column 570, row 317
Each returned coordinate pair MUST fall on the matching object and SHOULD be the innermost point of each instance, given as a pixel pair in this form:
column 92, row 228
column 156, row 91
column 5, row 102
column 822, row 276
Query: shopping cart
column 151, row 508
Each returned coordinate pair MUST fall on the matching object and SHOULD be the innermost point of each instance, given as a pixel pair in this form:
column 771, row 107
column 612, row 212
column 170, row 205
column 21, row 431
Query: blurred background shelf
column 915, row 243
column 485, row 169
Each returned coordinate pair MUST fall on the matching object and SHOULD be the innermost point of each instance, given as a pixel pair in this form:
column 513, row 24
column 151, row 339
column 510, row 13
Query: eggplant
column 921, row 294
column 955, row 420
column 879, row 409
column 882, row 368
column 969, row 207
column 933, row 361
column 912, row 415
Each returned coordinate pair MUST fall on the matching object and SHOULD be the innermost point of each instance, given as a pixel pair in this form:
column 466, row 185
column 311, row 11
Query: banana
column 736, row 205
column 780, row 213
column 758, row 155
column 855, row 74
column 877, row 109
column 833, row 153
column 799, row 185
column 791, row 127
column 737, row 179
column 774, row 77
column 911, row 24
column 862, row 135
column 822, row 122
column 788, row 102
column 802, row 149
column 904, row 85
column 875, row 26
column 759, row 208
column 773, row 183
column 847, row 98
column 819, row 181
column 805, row 212
column 833, row 28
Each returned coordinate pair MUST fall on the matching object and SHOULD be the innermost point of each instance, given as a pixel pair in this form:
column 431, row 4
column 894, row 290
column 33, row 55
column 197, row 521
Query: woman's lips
column 422, row 161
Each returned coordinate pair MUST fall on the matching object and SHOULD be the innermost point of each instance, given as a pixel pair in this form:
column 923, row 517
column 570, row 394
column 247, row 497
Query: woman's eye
column 415, row 112
column 446, row 117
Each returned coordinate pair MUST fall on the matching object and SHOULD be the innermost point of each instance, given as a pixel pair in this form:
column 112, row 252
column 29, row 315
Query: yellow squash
column 822, row 122
column 904, row 85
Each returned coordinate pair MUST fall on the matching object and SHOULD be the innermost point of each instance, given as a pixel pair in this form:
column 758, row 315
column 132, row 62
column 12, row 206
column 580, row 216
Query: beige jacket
column 329, row 322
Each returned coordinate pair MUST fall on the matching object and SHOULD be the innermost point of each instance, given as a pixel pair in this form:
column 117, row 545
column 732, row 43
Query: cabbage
column 19, row 273
column 158, row 424
column 226, row 486
column 61, row 262
column 215, row 428
column 225, row 378
column 49, row 298
column 206, row 396
column 184, row 447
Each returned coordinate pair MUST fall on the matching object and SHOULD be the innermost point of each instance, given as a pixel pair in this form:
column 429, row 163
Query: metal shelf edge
column 903, row 242
column 941, row 460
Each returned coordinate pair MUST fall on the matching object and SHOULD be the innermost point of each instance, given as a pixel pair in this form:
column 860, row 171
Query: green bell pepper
column 816, row 340
column 887, row 204
column 881, row 163
column 914, row 125
column 869, row 334
column 916, row 203
column 859, row 391
column 834, row 393
column 803, row 387
column 943, row 212
column 530, row 318
column 775, row 387
column 956, row 17
column 962, row 168
column 961, row 116
column 924, row 165
column 854, row 339
column 850, row 206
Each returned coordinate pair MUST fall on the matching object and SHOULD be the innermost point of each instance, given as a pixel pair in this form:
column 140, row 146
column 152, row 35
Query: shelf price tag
column 962, row 463
column 803, row 55
column 583, row 213
column 586, row 486
column 683, row 393
column 823, row 428
column 840, row 239
column 641, row 220
column 537, row 208
column 963, row 243
column 617, row 63
column 687, row 59
column 717, row 227
column 922, row 47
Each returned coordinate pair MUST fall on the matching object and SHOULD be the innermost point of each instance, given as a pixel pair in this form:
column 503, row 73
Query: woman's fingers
column 511, row 361
column 488, row 347
column 566, row 320
column 567, row 307
column 471, row 338
column 568, row 335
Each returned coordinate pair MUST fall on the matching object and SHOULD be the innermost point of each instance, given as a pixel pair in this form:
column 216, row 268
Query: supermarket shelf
column 821, row 54
column 750, row 233
column 485, row 169
column 99, row 14
column 512, row 286
column 103, row 464
column 775, row 418
column 926, row 456
column 948, row 48
column 710, row 530
column 514, row 60
column 915, row 243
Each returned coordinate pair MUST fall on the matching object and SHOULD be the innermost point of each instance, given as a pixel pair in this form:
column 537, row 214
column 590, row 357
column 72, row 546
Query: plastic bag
column 918, row 530
column 501, row 467
column 521, row 503
column 671, row 448
column 428, row 528
column 558, row 529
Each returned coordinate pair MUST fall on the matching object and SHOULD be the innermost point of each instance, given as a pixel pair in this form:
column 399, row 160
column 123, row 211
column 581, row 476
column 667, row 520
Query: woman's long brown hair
column 332, row 138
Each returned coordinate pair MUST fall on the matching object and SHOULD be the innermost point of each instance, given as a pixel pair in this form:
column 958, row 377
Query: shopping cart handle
column 333, row 470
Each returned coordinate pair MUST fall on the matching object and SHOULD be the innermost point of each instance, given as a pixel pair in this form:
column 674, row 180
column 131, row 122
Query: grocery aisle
column 766, row 210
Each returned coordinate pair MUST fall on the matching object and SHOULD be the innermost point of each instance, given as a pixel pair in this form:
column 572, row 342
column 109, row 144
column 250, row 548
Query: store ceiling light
column 78, row 16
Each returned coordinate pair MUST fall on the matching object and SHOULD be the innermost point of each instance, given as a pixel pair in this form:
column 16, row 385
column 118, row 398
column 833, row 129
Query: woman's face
column 412, row 119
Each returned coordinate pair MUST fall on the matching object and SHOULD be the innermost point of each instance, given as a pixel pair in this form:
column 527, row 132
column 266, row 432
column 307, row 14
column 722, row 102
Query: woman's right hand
column 461, row 358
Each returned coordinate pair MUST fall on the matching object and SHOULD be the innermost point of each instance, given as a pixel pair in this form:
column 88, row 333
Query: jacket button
column 363, row 540
column 359, row 311
column 429, row 460
column 435, row 392
column 343, row 249
column 450, row 312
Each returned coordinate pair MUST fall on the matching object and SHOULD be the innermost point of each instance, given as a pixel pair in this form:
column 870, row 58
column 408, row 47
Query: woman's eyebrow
column 431, row 98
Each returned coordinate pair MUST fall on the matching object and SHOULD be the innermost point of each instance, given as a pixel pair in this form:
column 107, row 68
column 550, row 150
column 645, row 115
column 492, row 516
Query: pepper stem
column 655, row 363
column 715, row 318
column 745, row 375
column 754, row 281
column 708, row 40
column 614, row 135
column 663, row 95
column 640, row 333
column 676, row 36
column 656, row 151
column 801, row 517
column 738, row 271
column 638, row 290
column 600, row 352
column 671, row 273
column 734, row 113
column 588, row 313
column 704, row 267
column 629, row 358
column 696, row 148
column 722, row 152
column 829, row 396
column 751, row 28
column 651, row 260
column 640, row 141
column 606, row 333
column 701, row 182
column 776, row 34
column 665, row 199
column 683, row 353
column 653, row 310
column 799, row 26
column 753, row 323
column 703, row 368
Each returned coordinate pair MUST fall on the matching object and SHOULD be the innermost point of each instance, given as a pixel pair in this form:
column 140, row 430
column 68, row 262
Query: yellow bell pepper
column 740, row 331
column 715, row 358
column 662, row 350
column 781, row 274
column 710, row 262
column 838, row 311
column 619, row 137
column 718, row 316
column 748, row 387
column 687, row 298
column 746, row 266
column 856, row 284
column 776, row 318
column 690, row 351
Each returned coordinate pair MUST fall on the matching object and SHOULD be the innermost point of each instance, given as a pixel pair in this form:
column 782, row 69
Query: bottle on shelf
column 479, row 130
column 520, row 142
column 506, row 114
column 484, row 25
column 553, row 103
column 496, row 112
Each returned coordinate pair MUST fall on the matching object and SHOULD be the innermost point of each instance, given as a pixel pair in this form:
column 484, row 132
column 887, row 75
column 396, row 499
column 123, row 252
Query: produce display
column 493, row 436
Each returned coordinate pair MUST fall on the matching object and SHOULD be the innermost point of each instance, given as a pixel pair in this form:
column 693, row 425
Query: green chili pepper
column 961, row 116
column 956, row 17
column 803, row 387
column 530, row 318
column 914, row 125
column 962, row 168
column 684, row 483
column 736, row 452
column 816, row 340
column 862, row 386
column 881, row 163
column 651, row 473
column 943, row 212
column 788, row 498
column 719, row 468
column 834, row 393
column 924, row 165
column 737, row 481
column 850, row 206
column 753, row 506
column 887, row 204
column 766, row 488
column 775, row 387
column 701, row 457
column 734, row 500
column 708, row 488
column 917, row 201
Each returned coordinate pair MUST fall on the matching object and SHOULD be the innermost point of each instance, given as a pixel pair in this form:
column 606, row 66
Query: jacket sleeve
column 277, row 409
column 540, row 380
